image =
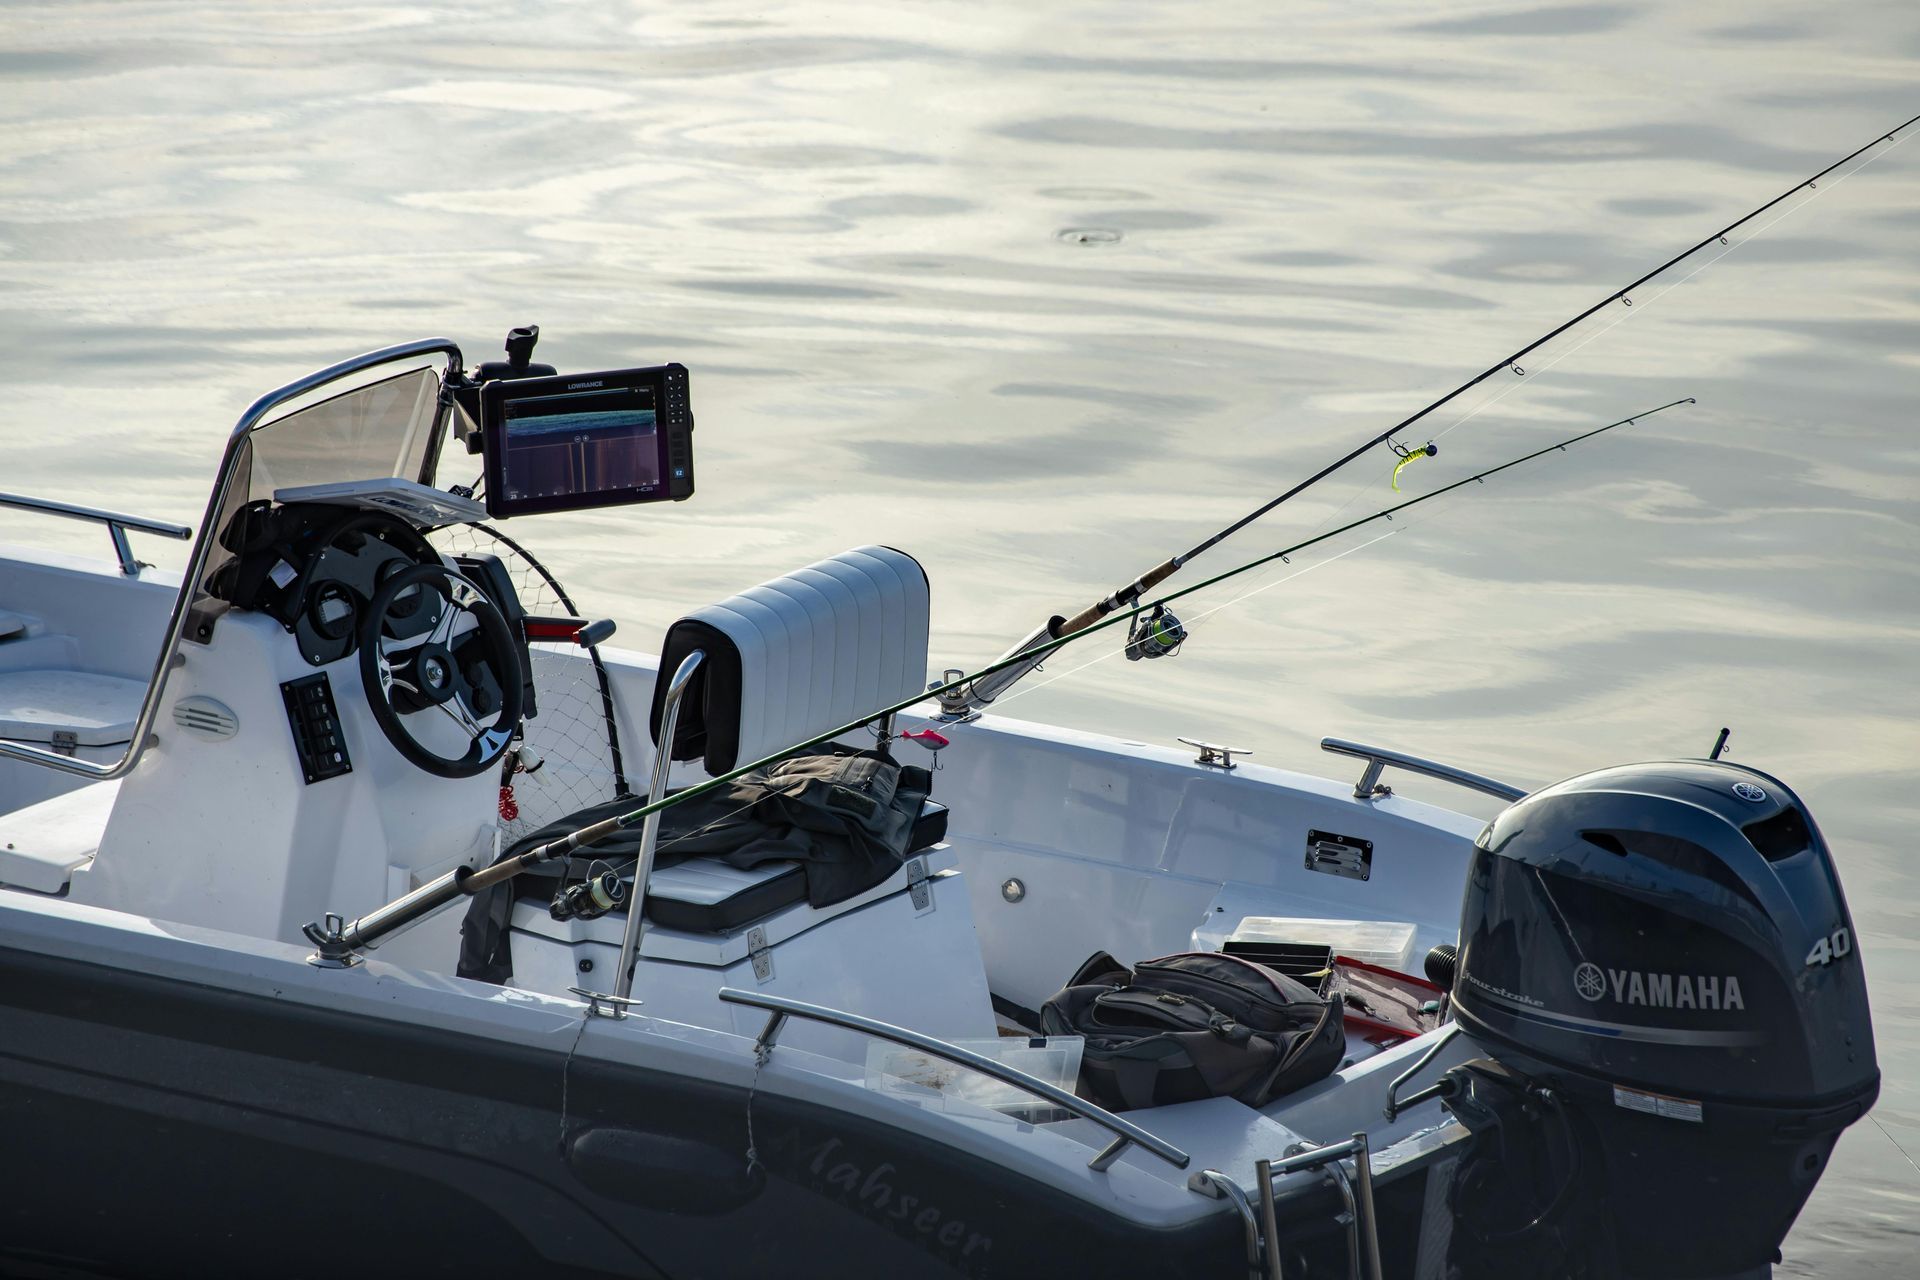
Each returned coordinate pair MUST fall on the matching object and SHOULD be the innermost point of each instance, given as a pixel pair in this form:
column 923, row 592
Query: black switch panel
column 316, row 728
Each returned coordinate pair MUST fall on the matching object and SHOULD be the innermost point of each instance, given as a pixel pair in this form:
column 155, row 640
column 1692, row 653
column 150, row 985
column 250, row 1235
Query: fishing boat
column 350, row 915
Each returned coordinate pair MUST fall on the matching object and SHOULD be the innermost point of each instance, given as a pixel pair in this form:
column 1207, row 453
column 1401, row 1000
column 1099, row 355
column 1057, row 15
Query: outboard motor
column 1662, row 955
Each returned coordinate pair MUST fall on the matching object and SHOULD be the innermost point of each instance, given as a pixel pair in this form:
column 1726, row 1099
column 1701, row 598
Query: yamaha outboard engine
column 1660, row 957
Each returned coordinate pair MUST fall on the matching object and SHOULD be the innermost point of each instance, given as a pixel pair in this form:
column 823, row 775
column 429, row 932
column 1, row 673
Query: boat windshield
column 372, row 432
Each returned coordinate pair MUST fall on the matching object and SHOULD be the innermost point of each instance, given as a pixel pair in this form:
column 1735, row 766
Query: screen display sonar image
column 585, row 441
column 566, row 442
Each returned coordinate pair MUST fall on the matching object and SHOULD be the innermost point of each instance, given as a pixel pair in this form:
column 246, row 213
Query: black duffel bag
column 1196, row 1025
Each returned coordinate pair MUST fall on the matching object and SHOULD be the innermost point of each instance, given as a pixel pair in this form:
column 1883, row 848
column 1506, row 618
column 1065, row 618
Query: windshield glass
column 369, row 433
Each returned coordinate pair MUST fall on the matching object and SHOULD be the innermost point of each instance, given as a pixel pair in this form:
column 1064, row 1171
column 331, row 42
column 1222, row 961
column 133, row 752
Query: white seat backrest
column 800, row 655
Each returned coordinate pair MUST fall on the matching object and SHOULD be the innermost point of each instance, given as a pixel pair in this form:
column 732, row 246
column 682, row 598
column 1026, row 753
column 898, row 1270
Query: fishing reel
column 1154, row 635
column 590, row 899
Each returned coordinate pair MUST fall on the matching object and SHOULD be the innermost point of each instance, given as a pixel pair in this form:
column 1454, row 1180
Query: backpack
column 1195, row 1025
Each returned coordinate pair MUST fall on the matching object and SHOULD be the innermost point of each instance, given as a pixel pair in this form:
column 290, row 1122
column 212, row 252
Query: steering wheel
column 468, row 676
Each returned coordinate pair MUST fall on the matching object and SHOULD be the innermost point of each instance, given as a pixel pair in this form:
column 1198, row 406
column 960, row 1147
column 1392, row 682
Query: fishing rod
column 1024, row 656
column 568, row 845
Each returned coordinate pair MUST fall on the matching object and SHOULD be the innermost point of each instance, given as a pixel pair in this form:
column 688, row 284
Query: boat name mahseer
column 875, row 1192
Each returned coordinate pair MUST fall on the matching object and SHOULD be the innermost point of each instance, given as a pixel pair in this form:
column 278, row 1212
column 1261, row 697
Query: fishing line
column 1631, row 310
column 1895, row 1141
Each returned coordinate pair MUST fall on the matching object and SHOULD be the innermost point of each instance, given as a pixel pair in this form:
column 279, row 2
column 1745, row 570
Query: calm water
column 1043, row 293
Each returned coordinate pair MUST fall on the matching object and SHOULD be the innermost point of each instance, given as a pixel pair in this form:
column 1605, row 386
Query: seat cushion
column 98, row 710
column 798, row 656
column 705, row 895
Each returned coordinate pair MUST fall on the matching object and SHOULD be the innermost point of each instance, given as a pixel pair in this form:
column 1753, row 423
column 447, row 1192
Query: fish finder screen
column 587, row 440
column 582, row 441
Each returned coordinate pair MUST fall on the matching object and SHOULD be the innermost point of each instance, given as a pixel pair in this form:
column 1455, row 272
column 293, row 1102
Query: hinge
column 917, row 886
column 65, row 742
column 760, row 953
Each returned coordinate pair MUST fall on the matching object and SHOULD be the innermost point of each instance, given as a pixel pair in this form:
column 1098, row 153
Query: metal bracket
column 760, row 953
column 602, row 1005
column 329, row 937
column 917, row 886
column 1215, row 755
column 954, row 706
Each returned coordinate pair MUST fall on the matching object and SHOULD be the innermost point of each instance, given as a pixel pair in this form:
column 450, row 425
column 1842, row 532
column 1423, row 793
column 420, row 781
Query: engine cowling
column 1667, row 947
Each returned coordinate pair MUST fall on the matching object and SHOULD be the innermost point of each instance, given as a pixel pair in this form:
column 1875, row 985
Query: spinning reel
column 1154, row 635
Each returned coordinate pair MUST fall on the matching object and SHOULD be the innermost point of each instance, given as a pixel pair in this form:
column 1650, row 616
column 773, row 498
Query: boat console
column 354, row 702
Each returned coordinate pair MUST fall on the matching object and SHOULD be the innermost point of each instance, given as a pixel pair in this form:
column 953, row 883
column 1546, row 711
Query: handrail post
column 122, row 549
column 1269, row 1224
column 650, row 835
column 1109, row 1153
column 1370, row 1228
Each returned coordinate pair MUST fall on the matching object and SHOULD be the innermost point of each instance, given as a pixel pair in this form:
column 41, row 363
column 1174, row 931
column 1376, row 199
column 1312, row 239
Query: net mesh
column 573, row 738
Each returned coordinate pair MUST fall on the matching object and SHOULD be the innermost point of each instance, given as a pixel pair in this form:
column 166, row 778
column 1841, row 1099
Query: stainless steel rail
column 1216, row 1185
column 1125, row 1133
column 650, row 833
column 117, row 523
column 203, row 551
column 1363, row 1227
column 1378, row 758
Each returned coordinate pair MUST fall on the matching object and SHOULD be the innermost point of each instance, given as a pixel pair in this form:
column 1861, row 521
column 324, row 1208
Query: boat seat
column 797, row 656
column 709, row 895
column 42, row 844
column 721, row 947
column 85, row 708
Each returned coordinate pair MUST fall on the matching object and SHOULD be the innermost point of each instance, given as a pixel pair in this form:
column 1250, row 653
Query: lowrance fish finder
column 579, row 440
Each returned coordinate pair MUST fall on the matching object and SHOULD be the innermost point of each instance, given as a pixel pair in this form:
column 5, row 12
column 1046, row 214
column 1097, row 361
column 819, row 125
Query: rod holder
column 340, row 945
